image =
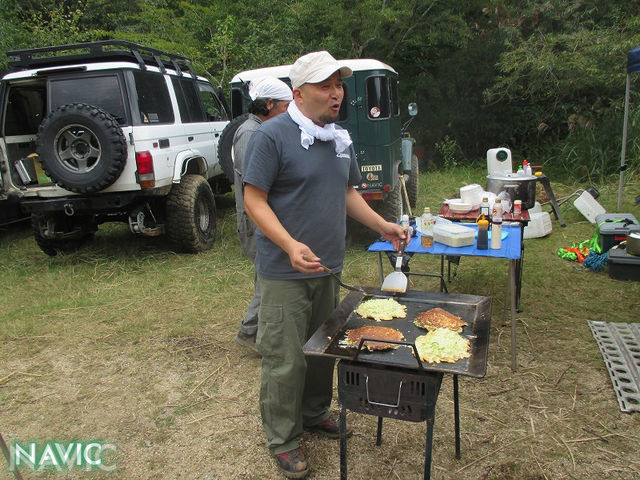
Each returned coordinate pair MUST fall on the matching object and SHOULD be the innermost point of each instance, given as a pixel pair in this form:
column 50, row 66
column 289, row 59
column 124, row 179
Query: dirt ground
column 188, row 408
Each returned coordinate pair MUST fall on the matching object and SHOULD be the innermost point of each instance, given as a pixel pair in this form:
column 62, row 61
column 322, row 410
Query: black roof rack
column 91, row 52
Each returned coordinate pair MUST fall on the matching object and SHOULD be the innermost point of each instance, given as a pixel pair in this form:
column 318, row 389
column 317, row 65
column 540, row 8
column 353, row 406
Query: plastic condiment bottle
column 520, row 171
column 496, row 232
column 526, row 167
column 497, row 210
column 483, row 234
column 428, row 222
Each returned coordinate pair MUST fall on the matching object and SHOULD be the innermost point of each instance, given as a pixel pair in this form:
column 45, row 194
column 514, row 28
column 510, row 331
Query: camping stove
column 395, row 383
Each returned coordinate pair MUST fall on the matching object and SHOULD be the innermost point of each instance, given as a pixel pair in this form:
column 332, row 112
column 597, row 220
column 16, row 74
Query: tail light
column 146, row 177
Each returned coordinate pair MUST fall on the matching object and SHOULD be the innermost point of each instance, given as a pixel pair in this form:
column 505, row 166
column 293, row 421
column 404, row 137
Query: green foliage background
column 543, row 77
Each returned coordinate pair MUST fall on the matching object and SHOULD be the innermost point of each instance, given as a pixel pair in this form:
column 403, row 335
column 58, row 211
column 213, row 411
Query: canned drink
column 517, row 207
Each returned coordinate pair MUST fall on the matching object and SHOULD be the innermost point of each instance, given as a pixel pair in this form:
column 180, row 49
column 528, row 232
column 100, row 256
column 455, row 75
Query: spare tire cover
column 81, row 147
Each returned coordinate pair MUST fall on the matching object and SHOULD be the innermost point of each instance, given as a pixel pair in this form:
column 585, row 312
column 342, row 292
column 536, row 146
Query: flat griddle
column 473, row 309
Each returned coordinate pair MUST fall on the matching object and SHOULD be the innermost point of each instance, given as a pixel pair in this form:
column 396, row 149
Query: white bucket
column 499, row 161
column 537, row 208
column 539, row 226
column 588, row 206
column 471, row 194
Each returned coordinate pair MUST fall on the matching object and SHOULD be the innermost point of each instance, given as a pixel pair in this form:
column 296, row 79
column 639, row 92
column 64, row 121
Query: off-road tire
column 191, row 215
column 413, row 183
column 390, row 207
column 81, row 147
column 79, row 229
column 225, row 145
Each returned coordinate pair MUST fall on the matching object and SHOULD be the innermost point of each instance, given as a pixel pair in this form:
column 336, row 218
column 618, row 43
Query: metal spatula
column 328, row 270
column 396, row 281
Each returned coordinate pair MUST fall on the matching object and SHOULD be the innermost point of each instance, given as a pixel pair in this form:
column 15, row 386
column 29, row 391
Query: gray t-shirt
column 306, row 189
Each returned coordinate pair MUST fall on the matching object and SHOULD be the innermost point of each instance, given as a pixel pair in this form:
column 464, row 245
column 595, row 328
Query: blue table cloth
column 510, row 248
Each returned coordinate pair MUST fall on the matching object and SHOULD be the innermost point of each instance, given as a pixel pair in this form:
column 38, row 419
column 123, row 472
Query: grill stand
column 422, row 384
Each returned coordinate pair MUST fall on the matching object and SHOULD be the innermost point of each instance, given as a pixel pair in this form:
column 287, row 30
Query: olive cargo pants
column 295, row 390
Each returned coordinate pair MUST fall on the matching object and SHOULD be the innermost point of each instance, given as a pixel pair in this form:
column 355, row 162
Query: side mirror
column 413, row 109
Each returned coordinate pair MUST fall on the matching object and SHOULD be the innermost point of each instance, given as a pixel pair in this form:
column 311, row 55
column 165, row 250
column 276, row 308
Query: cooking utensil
column 396, row 281
column 519, row 187
column 337, row 277
column 633, row 243
column 474, row 310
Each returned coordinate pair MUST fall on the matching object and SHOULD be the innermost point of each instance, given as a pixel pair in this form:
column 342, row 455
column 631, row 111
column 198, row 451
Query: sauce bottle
column 484, row 207
column 497, row 210
column 483, row 234
column 496, row 232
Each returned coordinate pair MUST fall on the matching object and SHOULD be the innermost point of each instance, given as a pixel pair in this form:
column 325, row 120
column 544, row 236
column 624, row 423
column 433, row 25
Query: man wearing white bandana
column 269, row 98
column 299, row 178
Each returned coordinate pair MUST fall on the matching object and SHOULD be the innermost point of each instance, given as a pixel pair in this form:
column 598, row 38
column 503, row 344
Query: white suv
column 111, row 131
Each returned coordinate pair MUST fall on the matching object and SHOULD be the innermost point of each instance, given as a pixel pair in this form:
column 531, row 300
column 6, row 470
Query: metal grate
column 620, row 347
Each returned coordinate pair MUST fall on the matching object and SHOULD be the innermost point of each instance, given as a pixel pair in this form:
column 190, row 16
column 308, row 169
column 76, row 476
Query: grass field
column 130, row 343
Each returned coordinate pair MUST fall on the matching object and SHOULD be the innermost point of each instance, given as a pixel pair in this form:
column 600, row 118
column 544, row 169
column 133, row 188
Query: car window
column 237, row 104
column 154, row 103
column 378, row 97
column 25, row 109
column 395, row 103
column 102, row 91
column 188, row 101
column 212, row 106
column 344, row 106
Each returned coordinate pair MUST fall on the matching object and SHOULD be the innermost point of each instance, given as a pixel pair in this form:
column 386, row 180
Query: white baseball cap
column 315, row 67
column 269, row 87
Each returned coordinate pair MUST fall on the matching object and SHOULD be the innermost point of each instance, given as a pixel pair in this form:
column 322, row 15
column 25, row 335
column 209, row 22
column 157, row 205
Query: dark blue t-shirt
column 307, row 191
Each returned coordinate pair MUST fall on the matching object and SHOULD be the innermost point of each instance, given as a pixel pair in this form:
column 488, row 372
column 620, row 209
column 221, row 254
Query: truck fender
column 189, row 161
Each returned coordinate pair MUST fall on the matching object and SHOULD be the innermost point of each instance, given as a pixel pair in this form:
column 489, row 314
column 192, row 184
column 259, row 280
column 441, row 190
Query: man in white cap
column 269, row 97
column 299, row 178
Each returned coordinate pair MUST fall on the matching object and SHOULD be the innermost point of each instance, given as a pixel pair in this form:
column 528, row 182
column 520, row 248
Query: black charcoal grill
column 395, row 383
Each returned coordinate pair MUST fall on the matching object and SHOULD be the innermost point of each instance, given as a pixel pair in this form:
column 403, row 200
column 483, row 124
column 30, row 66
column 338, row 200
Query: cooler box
column 614, row 228
column 622, row 265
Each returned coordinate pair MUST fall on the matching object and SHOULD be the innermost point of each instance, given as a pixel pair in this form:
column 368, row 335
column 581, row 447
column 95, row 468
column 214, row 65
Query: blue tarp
column 633, row 60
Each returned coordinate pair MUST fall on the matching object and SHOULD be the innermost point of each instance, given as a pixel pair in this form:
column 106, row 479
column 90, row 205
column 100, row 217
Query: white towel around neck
column 309, row 131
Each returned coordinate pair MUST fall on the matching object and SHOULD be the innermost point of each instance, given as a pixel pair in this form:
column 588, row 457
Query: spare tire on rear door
column 81, row 147
column 225, row 145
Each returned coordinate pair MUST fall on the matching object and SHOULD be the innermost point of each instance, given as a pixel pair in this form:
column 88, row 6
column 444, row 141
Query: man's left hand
column 394, row 233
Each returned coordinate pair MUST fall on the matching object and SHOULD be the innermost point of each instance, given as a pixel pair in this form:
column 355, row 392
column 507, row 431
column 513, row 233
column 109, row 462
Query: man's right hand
column 303, row 259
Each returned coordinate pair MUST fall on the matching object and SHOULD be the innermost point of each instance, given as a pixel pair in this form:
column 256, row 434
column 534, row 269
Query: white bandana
column 309, row 131
column 269, row 87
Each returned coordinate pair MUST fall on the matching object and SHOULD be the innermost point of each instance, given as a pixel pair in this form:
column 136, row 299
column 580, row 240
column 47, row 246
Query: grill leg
column 379, row 433
column 456, row 415
column 343, row 443
column 428, row 448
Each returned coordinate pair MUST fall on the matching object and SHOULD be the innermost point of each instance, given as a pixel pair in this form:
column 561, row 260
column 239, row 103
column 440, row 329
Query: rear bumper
column 78, row 204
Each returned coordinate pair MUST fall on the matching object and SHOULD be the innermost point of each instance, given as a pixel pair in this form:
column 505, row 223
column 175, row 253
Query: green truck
column 371, row 113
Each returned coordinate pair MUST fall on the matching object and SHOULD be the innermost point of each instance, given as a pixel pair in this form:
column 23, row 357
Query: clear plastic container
column 454, row 235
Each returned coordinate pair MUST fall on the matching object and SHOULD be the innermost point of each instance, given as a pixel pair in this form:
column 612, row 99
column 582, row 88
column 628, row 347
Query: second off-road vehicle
column 370, row 112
